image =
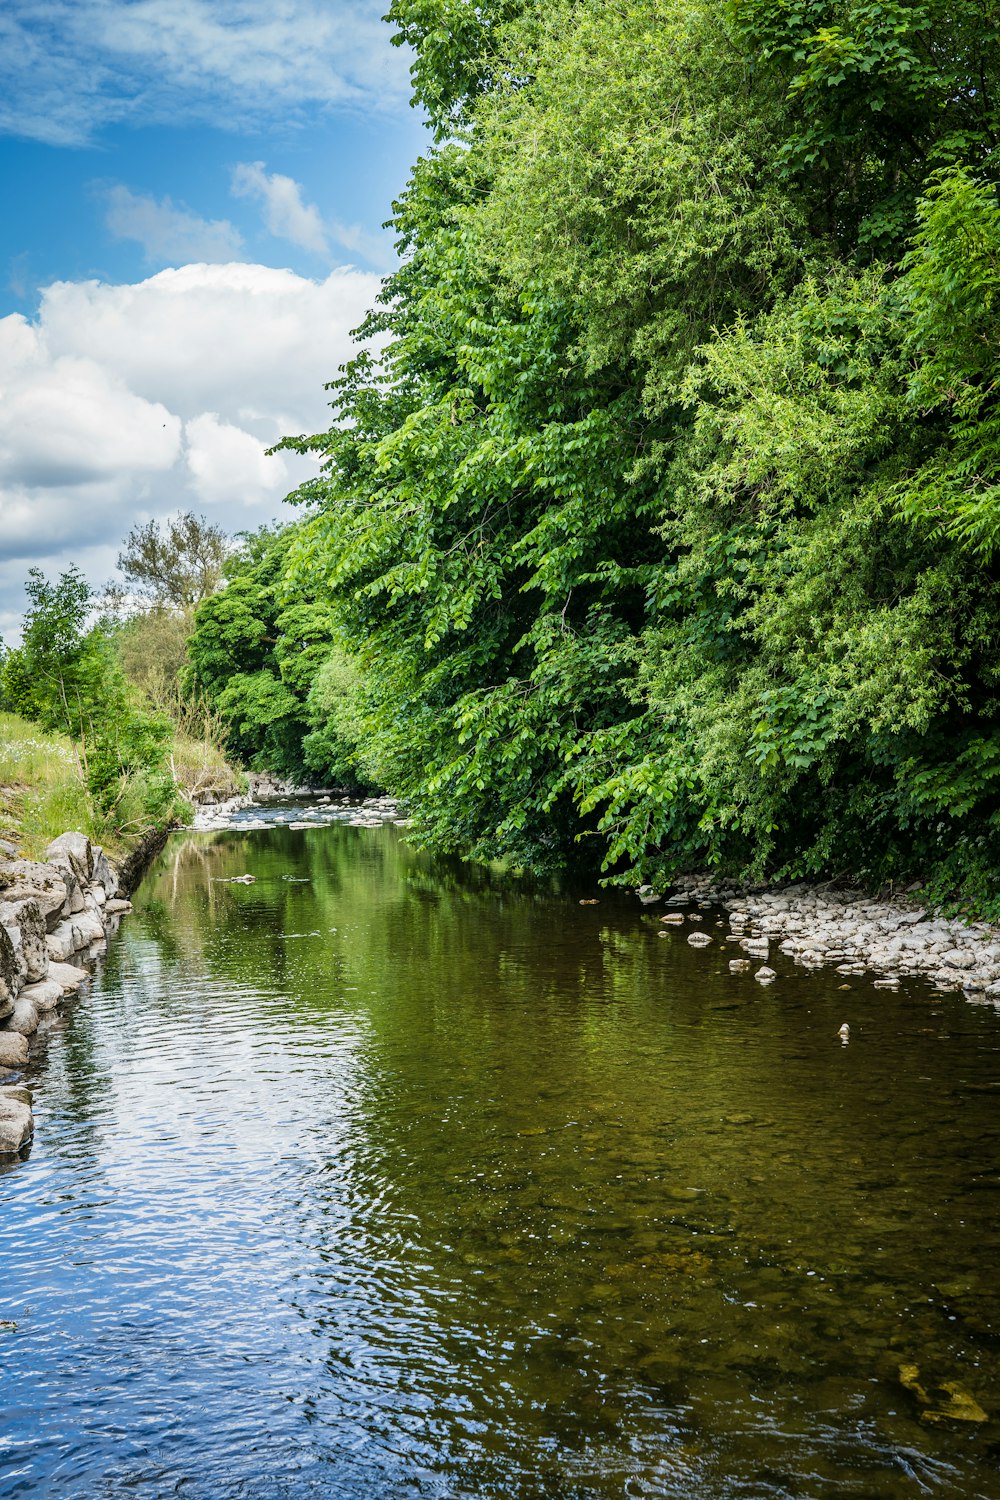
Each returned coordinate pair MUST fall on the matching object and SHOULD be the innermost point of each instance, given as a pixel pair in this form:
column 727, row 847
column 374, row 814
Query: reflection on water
column 387, row 1178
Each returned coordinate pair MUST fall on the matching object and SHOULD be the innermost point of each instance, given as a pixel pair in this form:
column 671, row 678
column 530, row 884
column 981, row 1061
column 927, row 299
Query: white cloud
column 169, row 232
column 68, row 67
column 121, row 403
column 228, row 466
column 285, row 214
column 288, row 218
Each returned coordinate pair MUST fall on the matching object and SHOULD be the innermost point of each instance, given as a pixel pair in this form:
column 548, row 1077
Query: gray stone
column 16, row 1124
column 25, row 1017
column 13, row 1049
column 75, row 847
column 959, row 958
column 44, row 996
column 699, row 939
column 61, row 942
column 26, row 919
column 11, row 967
column 90, row 928
column 74, row 890
column 68, row 976
column 26, row 880
column 104, row 874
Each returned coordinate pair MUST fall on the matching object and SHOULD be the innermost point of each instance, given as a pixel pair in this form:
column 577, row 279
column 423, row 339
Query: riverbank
column 56, row 915
column 817, row 926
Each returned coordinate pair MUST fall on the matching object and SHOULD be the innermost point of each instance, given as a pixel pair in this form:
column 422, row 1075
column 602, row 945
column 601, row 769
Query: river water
column 384, row 1177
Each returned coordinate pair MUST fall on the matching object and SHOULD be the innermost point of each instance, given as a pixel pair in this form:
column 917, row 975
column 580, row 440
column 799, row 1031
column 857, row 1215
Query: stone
column 26, row 918
column 24, row 1018
column 74, row 890
column 61, row 942
column 75, row 847
column 959, row 958
column 16, row 1124
column 739, row 965
column 117, row 905
column 89, row 927
column 675, row 918
column 26, row 880
column 19, row 1091
column 13, row 1049
column 68, row 976
column 11, row 967
column 44, row 996
column 764, row 975
column 699, row 939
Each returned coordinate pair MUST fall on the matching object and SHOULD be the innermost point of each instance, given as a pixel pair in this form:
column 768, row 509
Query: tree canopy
column 657, row 516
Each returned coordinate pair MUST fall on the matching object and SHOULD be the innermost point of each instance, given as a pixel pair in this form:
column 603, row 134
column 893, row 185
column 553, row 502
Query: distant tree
column 177, row 564
column 66, row 675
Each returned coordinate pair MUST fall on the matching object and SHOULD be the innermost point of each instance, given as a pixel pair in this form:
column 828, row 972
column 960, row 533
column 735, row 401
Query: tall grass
column 42, row 792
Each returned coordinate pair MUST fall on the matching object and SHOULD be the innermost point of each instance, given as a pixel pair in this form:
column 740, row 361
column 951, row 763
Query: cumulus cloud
column 68, row 67
column 288, row 218
column 285, row 214
column 169, row 232
column 228, row 466
column 121, row 403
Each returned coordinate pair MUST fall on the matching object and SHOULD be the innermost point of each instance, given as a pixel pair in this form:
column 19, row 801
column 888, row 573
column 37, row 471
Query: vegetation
column 666, row 518
column 97, row 734
column 41, row 791
column 658, row 519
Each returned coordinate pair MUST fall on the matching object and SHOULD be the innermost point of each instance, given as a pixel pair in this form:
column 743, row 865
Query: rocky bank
column 53, row 914
column 887, row 939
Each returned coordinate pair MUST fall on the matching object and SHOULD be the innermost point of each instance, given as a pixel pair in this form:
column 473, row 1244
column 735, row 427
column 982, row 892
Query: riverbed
column 382, row 1176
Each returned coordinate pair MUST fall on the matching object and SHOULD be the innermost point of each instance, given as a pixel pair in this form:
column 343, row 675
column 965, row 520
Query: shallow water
column 383, row 1177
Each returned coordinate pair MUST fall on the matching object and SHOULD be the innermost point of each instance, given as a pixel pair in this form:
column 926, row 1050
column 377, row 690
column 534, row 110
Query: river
column 385, row 1177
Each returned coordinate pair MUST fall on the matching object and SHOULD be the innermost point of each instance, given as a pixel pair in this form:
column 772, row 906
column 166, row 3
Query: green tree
column 66, row 675
column 177, row 564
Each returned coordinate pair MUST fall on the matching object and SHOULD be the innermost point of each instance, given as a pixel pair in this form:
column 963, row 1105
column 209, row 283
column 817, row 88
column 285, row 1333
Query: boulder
column 25, row 1017
column 89, row 927
column 44, row 996
column 11, row 968
column 13, row 1049
column 75, row 847
column 104, row 874
column 74, row 898
column 61, row 942
column 26, row 920
column 68, row 976
column 26, row 880
column 16, row 1124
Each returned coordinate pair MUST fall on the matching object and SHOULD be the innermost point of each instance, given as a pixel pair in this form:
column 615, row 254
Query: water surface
column 386, row 1178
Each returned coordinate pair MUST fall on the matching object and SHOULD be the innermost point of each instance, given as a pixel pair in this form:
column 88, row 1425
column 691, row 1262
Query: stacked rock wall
column 52, row 914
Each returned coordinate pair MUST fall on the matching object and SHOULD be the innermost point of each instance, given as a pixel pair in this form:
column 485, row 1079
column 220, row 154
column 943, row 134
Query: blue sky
column 195, row 192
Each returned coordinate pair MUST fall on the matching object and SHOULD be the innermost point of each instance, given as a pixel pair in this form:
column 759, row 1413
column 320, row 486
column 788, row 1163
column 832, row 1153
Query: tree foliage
column 657, row 516
column 176, row 564
column 66, row 675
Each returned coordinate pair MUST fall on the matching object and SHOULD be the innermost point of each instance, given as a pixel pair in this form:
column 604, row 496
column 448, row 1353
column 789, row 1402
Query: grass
column 199, row 766
column 42, row 792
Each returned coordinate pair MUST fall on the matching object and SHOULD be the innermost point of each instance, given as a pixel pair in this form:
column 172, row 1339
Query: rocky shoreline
column 888, row 940
column 53, row 913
